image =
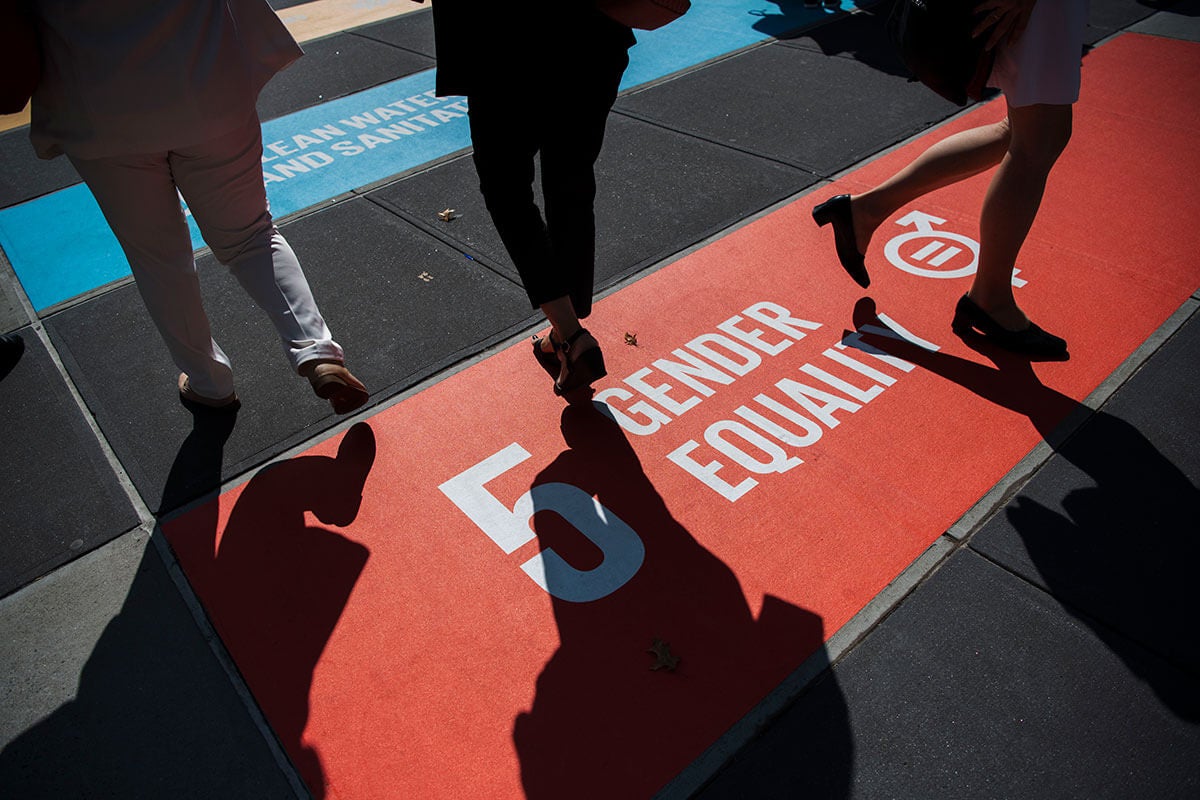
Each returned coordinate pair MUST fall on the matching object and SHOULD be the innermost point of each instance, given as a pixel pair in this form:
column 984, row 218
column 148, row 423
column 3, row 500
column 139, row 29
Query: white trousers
column 222, row 182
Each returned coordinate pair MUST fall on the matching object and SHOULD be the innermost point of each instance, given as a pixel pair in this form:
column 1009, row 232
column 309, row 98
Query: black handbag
column 934, row 40
column 20, row 57
column 644, row 14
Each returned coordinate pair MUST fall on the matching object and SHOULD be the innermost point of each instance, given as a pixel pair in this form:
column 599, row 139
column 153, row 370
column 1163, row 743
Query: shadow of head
column 335, row 486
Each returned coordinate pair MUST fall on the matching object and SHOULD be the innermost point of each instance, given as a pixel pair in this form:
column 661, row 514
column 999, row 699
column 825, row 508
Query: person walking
column 152, row 101
column 1038, row 47
column 575, row 54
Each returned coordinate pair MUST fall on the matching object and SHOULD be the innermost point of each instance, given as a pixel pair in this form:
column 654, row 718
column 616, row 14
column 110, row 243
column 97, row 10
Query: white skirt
column 1043, row 66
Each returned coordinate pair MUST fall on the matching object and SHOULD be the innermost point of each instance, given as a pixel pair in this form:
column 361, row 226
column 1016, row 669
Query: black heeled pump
column 584, row 370
column 836, row 210
column 970, row 319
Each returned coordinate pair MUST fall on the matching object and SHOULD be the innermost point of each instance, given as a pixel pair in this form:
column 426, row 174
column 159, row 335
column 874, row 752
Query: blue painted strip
column 60, row 246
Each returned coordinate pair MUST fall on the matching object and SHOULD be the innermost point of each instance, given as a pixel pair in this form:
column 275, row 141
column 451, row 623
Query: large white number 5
column 622, row 547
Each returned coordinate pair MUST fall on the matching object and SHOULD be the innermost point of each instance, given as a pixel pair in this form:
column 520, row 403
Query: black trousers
column 555, row 256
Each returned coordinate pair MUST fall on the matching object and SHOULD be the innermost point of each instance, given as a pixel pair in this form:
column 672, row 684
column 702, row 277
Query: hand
column 1002, row 20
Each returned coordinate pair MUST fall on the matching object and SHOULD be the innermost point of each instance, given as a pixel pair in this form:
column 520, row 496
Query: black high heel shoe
column 581, row 372
column 836, row 210
column 547, row 361
column 970, row 319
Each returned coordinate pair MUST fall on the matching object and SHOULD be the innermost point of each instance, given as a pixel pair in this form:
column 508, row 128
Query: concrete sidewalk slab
column 658, row 193
column 1179, row 20
column 980, row 685
column 1108, row 526
column 109, row 690
column 792, row 105
column 413, row 32
column 335, row 67
column 61, row 497
column 24, row 176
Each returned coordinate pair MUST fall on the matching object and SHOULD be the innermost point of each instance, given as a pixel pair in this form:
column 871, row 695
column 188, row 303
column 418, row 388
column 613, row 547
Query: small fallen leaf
column 662, row 656
column 447, row 215
column 631, row 339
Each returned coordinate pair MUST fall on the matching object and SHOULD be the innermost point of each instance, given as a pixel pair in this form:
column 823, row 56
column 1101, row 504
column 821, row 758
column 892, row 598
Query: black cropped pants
column 554, row 256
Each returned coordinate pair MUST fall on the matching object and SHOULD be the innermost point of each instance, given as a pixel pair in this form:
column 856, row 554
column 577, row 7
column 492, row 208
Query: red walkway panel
column 479, row 593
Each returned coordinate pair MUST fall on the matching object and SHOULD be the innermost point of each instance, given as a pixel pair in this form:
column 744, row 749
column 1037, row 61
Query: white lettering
column 808, row 397
column 777, row 460
column 656, row 419
column 659, row 393
column 776, row 316
column 704, row 344
column 692, row 369
column 623, row 549
column 707, row 473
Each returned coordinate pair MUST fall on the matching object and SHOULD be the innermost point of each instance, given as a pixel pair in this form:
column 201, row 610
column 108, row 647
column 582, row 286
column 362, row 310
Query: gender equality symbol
column 943, row 254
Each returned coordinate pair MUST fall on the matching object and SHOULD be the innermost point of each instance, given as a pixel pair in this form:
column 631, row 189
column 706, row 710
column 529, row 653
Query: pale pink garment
column 1043, row 66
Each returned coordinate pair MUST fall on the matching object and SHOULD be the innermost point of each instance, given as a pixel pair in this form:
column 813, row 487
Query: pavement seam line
column 37, row 325
column 217, row 648
column 712, row 762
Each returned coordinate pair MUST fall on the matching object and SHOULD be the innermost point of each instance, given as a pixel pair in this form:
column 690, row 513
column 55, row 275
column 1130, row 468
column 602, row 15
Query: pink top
column 141, row 76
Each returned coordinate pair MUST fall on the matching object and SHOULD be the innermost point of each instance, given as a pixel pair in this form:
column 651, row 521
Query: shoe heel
column 594, row 360
column 326, row 386
column 822, row 214
column 584, row 371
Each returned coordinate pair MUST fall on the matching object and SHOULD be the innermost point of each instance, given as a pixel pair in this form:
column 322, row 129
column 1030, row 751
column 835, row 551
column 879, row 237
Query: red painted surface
column 400, row 652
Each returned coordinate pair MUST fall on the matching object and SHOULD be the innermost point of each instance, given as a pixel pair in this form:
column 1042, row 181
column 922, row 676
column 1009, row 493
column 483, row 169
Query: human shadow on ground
column 793, row 16
column 198, row 461
column 605, row 722
column 154, row 714
column 862, row 36
column 275, row 586
column 1120, row 551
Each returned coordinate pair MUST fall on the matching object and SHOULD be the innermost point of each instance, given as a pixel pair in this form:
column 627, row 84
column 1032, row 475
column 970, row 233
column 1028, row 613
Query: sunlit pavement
column 474, row 589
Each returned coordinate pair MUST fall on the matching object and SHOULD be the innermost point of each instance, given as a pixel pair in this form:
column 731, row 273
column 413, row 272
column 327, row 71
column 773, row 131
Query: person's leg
column 503, row 155
column 222, row 183
column 503, row 152
column 1039, row 135
column 571, row 144
column 951, row 160
column 596, row 59
column 138, row 198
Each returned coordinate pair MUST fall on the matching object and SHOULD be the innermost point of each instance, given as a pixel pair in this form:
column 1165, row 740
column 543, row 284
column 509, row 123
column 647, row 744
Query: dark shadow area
column 1160, row 5
column 12, row 347
column 604, row 722
column 862, row 36
column 793, row 16
column 155, row 714
column 198, row 462
column 61, row 497
column 275, row 586
column 1121, row 547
